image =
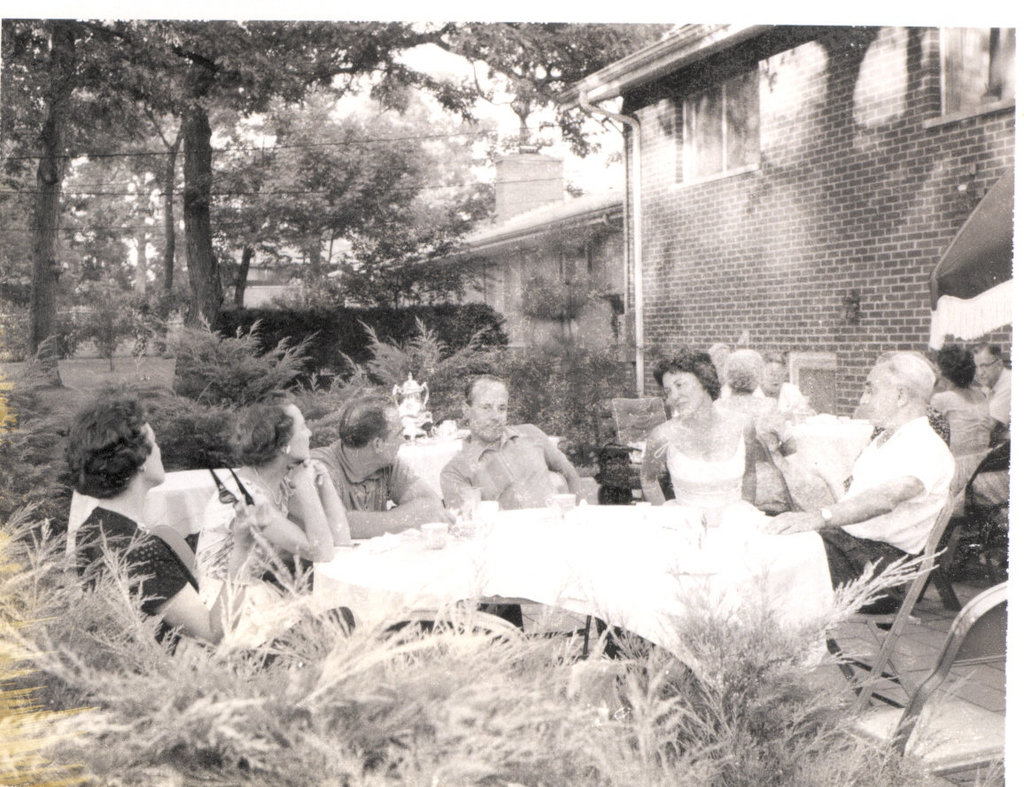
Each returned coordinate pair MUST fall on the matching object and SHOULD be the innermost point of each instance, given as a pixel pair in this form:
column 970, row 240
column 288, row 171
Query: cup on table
column 435, row 534
column 470, row 502
column 563, row 504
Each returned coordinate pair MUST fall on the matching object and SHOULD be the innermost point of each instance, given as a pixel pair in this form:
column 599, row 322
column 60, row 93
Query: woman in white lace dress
column 709, row 452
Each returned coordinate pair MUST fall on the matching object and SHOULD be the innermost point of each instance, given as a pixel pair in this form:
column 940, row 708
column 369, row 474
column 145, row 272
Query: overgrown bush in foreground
column 459, row 706
column 234, row 370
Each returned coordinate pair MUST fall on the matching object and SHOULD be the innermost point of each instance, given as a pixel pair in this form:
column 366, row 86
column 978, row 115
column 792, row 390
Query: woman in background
column 966, row 409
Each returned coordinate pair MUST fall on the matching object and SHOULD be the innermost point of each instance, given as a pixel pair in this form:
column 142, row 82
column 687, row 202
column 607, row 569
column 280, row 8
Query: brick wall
column 859, row 189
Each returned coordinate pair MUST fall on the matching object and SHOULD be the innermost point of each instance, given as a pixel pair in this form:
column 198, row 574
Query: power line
column 261, row 149
column 289, row 192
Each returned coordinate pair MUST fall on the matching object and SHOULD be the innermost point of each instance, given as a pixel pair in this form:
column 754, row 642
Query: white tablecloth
column 620, row 563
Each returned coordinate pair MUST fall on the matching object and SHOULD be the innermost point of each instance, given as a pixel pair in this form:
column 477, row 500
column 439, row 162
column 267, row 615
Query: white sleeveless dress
column 707, row 483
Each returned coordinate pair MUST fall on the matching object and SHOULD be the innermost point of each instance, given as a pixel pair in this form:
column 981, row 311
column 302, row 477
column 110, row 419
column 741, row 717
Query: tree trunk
column 203, row 271
column 243, row 274
column 315, row 257
column 172, row 161
column 141, row 265
column 46, row 216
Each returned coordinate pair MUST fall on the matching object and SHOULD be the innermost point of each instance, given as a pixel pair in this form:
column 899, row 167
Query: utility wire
column 260, row 149
column 71, row 192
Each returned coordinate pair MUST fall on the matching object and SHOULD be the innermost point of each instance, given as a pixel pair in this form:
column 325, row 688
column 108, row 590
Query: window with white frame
column 977, row 68
column 718, row 130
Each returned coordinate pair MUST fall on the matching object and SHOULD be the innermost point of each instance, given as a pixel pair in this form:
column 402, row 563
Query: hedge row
column 340, row 331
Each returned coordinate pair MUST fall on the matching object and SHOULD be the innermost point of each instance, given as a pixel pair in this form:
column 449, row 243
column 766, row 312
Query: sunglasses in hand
column 225, row 495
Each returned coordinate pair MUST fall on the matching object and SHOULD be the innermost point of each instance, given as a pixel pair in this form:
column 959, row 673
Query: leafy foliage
column 379, row 191
column 28, row 729
column 458, row 706
column 234, row 370
column 191, row 434
column 336, row 335
column 564, row 390
column 537, row 62
column 113, row 319
column 32, row 449
column 548, row 298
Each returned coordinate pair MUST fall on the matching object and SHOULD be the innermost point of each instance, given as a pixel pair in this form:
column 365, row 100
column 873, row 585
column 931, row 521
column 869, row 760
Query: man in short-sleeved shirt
column 379, row 491
column 510, row 464
column 900, row 481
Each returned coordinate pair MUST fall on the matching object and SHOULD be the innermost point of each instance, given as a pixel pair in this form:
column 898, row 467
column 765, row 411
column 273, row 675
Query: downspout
column 633, row 238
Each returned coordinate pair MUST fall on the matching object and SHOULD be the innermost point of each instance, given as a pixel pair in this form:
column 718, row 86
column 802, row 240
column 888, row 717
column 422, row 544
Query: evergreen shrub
column 235, row 369
column 340, row 333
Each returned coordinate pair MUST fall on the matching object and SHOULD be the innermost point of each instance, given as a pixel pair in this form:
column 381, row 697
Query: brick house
column 799, row 184
column 552, row 266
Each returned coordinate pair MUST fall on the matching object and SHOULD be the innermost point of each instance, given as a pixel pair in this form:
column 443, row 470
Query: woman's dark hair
column 956, row 364
column 107, row 446
column 693, row 362
column 263, row 429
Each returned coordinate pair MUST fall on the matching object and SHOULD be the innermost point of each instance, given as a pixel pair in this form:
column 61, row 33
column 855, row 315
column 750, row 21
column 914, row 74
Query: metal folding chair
column 887, row 628
column 983, row 532
column 619, row 473
column 958, row 735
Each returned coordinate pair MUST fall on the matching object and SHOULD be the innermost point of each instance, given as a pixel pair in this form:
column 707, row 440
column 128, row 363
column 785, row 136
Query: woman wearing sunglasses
column 113, row 455
column 298, row 515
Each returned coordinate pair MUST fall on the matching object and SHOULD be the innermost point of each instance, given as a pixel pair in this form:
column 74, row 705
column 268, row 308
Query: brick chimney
column 524, row 181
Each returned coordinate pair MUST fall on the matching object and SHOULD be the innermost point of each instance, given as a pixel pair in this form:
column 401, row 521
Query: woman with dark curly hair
column 709, row 452
column 300, row 515
column 966, row 409
column 113, row 455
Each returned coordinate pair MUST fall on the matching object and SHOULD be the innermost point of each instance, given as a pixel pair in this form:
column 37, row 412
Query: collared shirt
column 912, row 450
column 514, row 470
column 999, row 398
column 386, row 484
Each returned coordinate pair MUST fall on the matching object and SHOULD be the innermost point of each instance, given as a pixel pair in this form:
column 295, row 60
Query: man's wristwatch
column 826, row 515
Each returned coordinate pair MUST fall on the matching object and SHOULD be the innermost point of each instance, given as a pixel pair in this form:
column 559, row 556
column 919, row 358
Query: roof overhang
column 491, row 242
column 687, row 45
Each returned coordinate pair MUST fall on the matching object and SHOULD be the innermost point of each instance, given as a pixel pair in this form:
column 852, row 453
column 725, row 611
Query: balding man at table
column 380, row 493
column 900, row 481
column 510, row 464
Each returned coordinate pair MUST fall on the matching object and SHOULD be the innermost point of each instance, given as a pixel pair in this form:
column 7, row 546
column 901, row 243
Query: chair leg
column 945, row 588
column 846, row 666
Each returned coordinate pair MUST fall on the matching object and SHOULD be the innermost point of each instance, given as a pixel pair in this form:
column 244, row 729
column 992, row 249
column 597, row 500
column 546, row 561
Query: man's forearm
column 369, row 524
column 860, row 508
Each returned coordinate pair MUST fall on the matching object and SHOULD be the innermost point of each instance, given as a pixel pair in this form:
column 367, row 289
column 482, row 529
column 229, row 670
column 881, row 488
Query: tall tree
column 535, row 62
column 58, row 91
column 168, row 181
column 49, row 176
column 245, row 66
column 384, row 187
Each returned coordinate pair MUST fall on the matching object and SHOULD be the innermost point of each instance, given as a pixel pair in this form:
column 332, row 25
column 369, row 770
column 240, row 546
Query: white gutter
column 633, row 238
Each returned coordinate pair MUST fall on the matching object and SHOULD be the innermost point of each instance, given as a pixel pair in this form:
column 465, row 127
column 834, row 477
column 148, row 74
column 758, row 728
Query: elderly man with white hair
column 900, row 481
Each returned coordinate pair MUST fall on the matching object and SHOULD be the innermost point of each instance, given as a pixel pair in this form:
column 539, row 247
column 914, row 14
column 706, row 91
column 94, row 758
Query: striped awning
column 972, row 286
